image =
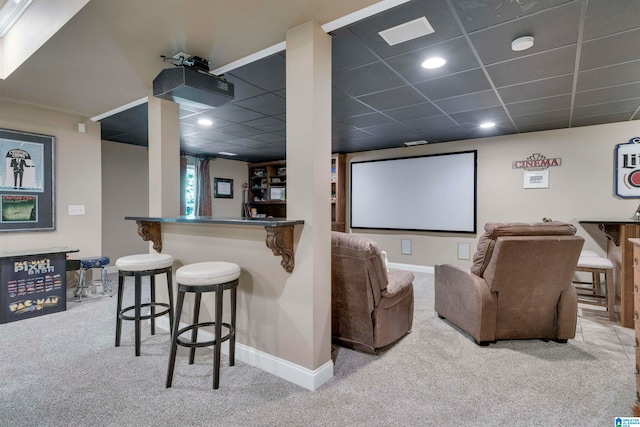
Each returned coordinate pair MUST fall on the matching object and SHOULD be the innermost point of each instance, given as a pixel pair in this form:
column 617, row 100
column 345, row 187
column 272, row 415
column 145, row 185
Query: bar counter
column 279, row 231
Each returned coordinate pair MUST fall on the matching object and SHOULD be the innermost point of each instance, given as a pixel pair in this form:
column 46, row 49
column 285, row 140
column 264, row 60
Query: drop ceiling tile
column 417, row 111
column 555, row 28
column 393, row 98
column 269, row 138
column 367, row 79
column 366, row 120
column 239, row 130
column 536, row 127
column 472, row 101
column 193, row 121
column 282, row 93
column 351, row 135
column 210, row 135
column 348, row 51
column 450, row 133
column 242, row 89
column 394, row 131
column 607, row 108
column 537, row 89
column 134, row 118
column 457, row 53
column 235, row 113
column 609, row 50
column 504, row 128
column 338, row 95
column 135, row 138
column 266, row 124
column 268, row 104
column 454, row 84
column 561, row 102
column 609, row 94
column 601, row 14
column 609, row 76
column 493, row 114
column 534, row 67
column 436, row 12
column 349, row 107
column 602, row 119
column 268, row 74
column 428, row 124
column 481, row 14
column 548, row 116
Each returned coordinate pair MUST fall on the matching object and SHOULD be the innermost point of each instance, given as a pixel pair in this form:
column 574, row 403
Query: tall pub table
column 620, row 252
column 33, row 282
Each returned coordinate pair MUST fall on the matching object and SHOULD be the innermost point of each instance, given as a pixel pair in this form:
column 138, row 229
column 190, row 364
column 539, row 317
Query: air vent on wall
column 189, row 86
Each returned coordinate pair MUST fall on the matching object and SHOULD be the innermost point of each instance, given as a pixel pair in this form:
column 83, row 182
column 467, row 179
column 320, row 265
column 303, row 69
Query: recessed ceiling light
column 410, row 143
column 226, row 153
column 434, row 62
column 205, row 122
column 487, row 125
column 522, row 43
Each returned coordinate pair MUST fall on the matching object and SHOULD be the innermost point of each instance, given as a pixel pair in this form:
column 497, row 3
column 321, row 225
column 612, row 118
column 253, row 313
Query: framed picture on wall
column 27, row 181
column 223, row 188
column 537, row 179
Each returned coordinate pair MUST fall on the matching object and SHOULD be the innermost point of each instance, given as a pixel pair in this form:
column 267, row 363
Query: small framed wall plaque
column 536, row 179
column 223, row 188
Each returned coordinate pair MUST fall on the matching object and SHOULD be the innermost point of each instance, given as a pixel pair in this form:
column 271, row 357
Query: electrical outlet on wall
column 76, row 209
column 405, row 247
column 463, row 250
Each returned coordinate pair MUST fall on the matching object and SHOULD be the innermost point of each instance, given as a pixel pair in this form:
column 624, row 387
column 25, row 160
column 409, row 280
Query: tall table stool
column 597, row 266
column 139, row 266
column 90, row 263
column 199, row 278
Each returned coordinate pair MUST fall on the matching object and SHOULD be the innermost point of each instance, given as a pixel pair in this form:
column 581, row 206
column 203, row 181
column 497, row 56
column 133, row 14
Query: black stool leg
column 153, row 299
column 232, row 340
column 170, row 291
column 119, row 308
column 194, row 331
column 138, row 303
column 216, row 346
column 174, row 339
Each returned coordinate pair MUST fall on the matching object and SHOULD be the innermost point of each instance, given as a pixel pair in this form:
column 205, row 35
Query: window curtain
column 203, row 188
column 183, row 184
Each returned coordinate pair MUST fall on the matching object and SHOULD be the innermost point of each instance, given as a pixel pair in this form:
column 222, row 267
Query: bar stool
column 139, row 266
column 200, row 278
column 91, row 263
column 597, row 265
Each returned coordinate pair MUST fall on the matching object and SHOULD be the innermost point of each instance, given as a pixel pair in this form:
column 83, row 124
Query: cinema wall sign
column 536, row 162
column 628, row 169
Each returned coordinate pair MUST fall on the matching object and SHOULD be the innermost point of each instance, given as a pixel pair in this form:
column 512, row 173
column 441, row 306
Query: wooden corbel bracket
column 151, row 231
column 280, row 241
column 612, row 231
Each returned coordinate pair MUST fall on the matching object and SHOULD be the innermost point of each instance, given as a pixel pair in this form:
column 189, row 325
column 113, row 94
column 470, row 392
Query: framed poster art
column 27, row 181
column 223, row 188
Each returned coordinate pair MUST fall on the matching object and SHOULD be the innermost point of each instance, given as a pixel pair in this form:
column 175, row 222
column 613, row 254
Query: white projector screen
column 427, row 193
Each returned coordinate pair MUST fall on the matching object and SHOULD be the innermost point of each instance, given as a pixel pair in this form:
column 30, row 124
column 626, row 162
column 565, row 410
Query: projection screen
column 427, row 193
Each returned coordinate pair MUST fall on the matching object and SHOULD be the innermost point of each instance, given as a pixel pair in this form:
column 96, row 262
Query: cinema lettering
column 628, row 169
column 536, row 162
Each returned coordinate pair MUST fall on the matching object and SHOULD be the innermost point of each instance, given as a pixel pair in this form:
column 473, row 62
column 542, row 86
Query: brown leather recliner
column 370, row 307
column 519, row 287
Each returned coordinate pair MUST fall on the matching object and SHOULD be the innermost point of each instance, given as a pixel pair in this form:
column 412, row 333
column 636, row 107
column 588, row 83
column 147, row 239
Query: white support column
column 164, row 158
column 308, row 183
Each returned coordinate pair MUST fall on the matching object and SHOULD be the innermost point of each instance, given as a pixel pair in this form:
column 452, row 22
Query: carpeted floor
column 62, row 370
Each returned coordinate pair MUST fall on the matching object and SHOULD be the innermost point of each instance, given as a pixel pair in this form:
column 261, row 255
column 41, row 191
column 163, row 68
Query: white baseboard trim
column 411, row 267
column 307, row 378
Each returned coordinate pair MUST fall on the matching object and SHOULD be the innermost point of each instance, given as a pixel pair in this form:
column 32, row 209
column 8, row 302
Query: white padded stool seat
column 141, row 262
column 588, row 253
column 207, row 273
column 594, row 262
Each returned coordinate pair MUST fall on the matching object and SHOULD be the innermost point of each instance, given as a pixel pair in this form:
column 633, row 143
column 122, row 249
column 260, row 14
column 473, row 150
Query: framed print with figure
column 27, row 181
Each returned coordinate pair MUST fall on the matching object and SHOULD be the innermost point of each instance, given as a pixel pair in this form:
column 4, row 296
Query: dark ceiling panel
column 382, row 97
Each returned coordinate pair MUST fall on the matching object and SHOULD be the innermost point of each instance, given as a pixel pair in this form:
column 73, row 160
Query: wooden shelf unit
column 267, row 188
column 338, row 214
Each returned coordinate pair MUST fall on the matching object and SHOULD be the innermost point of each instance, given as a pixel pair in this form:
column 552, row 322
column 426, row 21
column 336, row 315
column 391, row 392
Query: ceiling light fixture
column 434, row 62
column 487, row 125
column 522, row 43
column 407, row 31
column 421, row 142
column 226, row 153
column 205, row 122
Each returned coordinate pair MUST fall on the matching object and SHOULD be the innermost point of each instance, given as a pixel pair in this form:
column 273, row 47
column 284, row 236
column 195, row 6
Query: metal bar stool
column 139, row 266
column 596, row 265
column 200, row 278
column 91, row 263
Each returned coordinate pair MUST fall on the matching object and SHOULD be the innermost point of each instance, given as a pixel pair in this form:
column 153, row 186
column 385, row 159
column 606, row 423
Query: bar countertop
column 608, row 221
column 37, row 251
column 263, row 222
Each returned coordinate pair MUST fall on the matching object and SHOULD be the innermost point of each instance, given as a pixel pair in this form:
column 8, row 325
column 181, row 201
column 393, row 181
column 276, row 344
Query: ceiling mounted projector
column 191, row 86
